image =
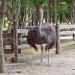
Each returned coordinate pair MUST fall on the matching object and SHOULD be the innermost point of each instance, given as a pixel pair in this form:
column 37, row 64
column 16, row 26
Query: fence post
column 73, row 37
column 57, row 29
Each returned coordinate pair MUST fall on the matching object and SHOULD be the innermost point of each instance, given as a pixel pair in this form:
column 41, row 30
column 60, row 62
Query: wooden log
column 25, row 31
column 67, row 33
column 57, row 29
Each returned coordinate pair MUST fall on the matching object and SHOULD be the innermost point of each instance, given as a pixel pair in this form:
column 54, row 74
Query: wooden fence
column 7, row 42
column 65, row 30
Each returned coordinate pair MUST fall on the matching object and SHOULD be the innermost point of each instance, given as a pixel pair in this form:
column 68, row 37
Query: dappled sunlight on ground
column 29, row 63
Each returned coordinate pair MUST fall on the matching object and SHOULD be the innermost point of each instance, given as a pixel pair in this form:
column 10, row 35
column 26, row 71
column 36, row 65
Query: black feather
column 46, row 36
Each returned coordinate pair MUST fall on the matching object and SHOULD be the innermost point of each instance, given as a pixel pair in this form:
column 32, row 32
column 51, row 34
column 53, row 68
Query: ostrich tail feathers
column 35, row 47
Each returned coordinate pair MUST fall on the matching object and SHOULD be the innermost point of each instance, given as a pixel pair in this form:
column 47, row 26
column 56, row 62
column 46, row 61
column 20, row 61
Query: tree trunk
column 53, row 8
column 49, row 15
column 2, row 61
column 15, row 36
column 51, row 11
column 71, row 12
column 57, row 29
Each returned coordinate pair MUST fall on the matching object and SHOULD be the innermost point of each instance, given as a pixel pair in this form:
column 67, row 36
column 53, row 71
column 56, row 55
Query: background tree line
column 27, row 11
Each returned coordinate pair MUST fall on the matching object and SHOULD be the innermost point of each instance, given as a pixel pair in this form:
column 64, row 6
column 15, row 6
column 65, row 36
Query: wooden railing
column 65, row 30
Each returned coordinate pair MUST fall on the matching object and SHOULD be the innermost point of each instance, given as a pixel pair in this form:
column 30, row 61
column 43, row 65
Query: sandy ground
column 29, row 64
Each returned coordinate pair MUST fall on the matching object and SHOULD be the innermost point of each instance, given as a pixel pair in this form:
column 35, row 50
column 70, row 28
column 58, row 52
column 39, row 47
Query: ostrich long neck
column 41, row 17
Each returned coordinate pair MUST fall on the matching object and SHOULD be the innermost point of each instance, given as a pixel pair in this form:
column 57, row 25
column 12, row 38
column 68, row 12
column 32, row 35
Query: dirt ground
column 29, row 63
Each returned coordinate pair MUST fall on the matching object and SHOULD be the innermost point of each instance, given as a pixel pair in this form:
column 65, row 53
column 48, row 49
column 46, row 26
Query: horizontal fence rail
column 67, row 33
column 22, row 46
column 65, row 30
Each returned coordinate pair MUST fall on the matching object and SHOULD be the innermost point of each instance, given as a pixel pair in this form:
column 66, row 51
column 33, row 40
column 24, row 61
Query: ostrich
column 42, row 34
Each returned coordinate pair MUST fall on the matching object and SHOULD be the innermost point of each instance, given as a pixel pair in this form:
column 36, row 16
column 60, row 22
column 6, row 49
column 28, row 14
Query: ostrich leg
column 48, row 57
column 47, row 49
column 41, row 53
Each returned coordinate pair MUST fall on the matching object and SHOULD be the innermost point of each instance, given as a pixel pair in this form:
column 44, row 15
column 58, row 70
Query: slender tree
column 57, row 29
column 15, row 14
column 1, row 38
column 73, row 10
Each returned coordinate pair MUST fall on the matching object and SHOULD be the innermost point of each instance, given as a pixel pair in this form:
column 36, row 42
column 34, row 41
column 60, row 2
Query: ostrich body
column 44, row 35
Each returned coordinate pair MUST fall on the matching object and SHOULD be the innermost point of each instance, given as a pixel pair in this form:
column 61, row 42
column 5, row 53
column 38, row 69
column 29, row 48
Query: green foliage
column 64, row 11
column 6, row 23
column 16, row 6
column 37, row 3
column 29, row 6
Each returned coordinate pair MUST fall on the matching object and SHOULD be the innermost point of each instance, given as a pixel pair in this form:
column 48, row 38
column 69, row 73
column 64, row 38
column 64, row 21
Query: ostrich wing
column 48, row 33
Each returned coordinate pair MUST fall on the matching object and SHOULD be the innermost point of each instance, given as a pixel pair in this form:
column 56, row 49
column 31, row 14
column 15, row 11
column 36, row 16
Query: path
column 62, row 64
